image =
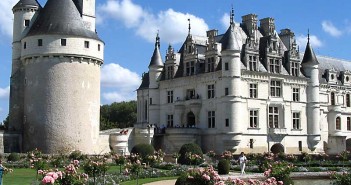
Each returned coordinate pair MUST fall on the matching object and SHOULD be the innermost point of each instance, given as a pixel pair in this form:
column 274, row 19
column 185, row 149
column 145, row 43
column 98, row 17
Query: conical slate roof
column 156, row 59
column 229, row 41
column 60, row 17
column 309, row 57
column 27, row 3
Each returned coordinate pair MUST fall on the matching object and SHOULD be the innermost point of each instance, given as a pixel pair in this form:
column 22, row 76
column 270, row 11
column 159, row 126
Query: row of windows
column 333, row 99
column 63, row 43
column 275, row 91
column 273, row 119
column 338, row 123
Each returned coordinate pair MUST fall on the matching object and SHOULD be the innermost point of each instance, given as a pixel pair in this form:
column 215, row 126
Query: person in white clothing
column 242, row 162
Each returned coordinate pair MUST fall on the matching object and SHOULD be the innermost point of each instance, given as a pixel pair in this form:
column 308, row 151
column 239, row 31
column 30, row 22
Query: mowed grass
column 24, row 176
column 20, row 176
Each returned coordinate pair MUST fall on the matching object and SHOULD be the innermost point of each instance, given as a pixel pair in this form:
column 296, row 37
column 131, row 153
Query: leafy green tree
column 118, row 115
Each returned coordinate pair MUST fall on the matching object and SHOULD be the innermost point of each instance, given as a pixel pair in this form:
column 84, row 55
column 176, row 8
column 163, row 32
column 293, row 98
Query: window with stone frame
column 253, row 119
column 338, row 123
column 295, row 68
column 210, row 91
column 40, row 42
column 26, row 22
column 190, row 68
column 226, row 66
column 211, row 119
column 296, row 94
column 296, row 120
column 226, row 91
column 332, row 98
column 274, row 65
column 169, row 96
column 253, row 90
column 190, row 93
column 252, row 63
column 348, row 103
column 211, row 64
column 275, row 87
column 348, row 123
column 273, row 117
column 170, row 120
column 170, row 72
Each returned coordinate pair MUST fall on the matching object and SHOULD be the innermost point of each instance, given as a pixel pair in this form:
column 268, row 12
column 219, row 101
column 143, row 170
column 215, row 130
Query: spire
column 189, row 28
column 156, row 60
column 232, row 16
column 157, row 43
column 229, row 40
column 309, row 57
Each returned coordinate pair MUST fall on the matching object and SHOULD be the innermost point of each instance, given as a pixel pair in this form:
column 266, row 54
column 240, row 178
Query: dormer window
column 294, row 68
column 190, row 68
column 169, row 72
column 210, row 64
column 26, row 22
column 274, row 65
column 252, row 63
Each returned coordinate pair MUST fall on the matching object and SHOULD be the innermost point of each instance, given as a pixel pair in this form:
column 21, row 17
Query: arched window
column 338, row 123
column 332, row 98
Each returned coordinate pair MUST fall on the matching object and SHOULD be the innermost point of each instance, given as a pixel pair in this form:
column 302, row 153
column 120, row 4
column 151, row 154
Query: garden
column 189, row 166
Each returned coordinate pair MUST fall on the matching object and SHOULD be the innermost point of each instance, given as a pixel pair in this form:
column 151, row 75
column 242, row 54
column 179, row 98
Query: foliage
column 70, row 176
column 118, row 115
column 37, row 160
column 77, row 155
column 341, row 179
column 119, row 160
column 13, row 157
column 143, row 150
column 186, row 149
column 211, row 154
column 96, row 166
column 227, row 155
column 223, row 166
column 280, row 170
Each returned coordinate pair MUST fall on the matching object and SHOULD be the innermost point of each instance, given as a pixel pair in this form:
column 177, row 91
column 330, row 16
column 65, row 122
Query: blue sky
column 128, row 28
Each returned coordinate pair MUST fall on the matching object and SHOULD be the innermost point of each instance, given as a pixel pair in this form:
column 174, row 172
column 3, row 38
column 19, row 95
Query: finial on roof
column 308, row 36
column 157, row 44
column 232, row 15
column 189, row 28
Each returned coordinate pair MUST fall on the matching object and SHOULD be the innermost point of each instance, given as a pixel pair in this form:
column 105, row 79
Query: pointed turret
column 309, row 57
column 156, row 59
column 229, row 40
column 26, row 4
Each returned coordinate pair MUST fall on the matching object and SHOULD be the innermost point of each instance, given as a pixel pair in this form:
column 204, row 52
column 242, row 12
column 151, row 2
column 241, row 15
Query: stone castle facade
column 249, row 89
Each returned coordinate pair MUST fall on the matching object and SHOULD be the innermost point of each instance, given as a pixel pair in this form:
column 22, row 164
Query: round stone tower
column 61, row 59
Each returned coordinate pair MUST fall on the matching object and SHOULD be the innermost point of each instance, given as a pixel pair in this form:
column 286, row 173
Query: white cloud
column 6, row 17
column 331, row 29
column 225, row 20
column 173, row 25
column 301, row 40
column 4, row 92
column 122, row 80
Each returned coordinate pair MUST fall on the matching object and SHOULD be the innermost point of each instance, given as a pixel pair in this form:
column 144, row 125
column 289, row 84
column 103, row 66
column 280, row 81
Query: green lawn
column 20, row 176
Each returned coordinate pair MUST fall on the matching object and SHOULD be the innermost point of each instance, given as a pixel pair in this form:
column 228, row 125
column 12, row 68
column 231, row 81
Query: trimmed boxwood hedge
column 143, row 150
column 189, row 148
column 223, row 167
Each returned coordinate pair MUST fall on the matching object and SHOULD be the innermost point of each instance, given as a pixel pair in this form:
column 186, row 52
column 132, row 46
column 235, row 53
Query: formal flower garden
column 190, row 166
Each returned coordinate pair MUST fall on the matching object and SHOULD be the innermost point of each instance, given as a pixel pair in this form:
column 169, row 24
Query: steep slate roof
column 156, row 59
column 27, row 3
column 60, row 17
column 144, row 82
column 229, row 40
column 309, row 57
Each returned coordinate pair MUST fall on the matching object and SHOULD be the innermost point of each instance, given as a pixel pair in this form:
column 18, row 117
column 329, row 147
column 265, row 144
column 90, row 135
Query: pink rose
column 48, row 180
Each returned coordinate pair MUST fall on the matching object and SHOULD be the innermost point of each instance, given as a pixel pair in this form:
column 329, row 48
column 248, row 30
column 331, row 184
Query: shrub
column 143, row 150
column 13, row 157
column 182, row 180
column 223, row 167
column 186, row 149
column 77, row 155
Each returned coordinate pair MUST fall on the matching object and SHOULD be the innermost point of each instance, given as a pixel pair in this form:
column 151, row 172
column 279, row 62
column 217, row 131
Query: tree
column 118, row 115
